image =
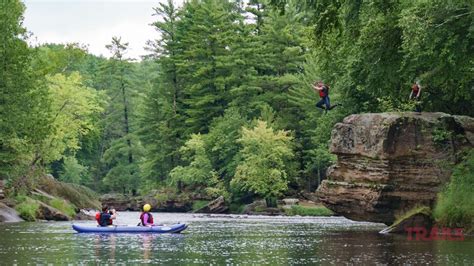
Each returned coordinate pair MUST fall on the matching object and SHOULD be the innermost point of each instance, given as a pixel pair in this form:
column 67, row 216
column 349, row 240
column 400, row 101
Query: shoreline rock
column 46, row 212
column 8, row 215
column 216, row 206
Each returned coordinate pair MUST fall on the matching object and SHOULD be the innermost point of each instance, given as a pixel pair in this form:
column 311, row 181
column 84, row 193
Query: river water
column 227, row 240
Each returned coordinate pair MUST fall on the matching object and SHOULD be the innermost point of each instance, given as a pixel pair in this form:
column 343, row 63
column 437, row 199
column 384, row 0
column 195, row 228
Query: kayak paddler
column 105, row 217
column 145, row 217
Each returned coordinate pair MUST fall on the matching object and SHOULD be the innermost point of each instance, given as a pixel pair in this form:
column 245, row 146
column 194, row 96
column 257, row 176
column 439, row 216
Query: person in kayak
column 105, row 217
column 145, row 217
column 323, row 91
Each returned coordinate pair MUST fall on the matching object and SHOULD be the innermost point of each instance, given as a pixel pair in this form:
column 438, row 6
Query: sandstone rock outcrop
column 390, row 162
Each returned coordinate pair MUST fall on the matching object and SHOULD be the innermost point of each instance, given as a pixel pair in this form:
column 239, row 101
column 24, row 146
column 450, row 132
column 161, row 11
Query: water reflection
column 146, row 241
column 104, row 247
column 130, row 247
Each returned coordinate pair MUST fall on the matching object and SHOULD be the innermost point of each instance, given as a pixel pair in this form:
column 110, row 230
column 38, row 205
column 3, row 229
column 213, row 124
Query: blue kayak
column 161, row 229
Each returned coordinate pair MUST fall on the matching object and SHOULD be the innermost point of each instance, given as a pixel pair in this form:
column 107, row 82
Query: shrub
column 308, row 211
column 236, row 208
column 63, row 206
column 455, row 205
column 26, row 208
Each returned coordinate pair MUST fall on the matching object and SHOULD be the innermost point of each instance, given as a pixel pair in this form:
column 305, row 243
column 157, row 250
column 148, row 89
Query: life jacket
column 415, row 88
column 101, row 221
column 97, row 217
column 150, row 218
column 324, row 92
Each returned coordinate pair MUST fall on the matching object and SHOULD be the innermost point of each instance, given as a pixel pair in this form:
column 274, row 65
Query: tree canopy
column 223, row 103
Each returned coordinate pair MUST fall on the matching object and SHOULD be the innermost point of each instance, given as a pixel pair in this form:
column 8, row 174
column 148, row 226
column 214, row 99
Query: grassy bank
column 455, row 206
column 26, row 207
column 308, row 211
column 79, row 196
column 65, row 197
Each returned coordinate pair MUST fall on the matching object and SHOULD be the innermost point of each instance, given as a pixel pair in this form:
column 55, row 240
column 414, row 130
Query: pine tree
column 124, row 152
column 162, row 118
column 206, row 30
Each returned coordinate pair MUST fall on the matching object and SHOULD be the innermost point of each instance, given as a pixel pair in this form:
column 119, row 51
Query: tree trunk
column 127, row 127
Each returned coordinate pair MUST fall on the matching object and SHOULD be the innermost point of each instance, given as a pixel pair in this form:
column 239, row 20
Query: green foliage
column 24, row 110
column 60, row 59
column 237, row 208
column 163, row 113
column 199, row 169
column 441, row 135
column 63, row 206
column 75, row 109
column 308, row 211
column 181, row 115
column 165, row 194
column 387, row 104
column 437, row 38
column 123, row 150
column 162, row 198
column 79, row 196
column 376, row 50
column 206, row 30
column 199, row 204
column 415, row 210
column 455, row 204
column 74, row 172
column 26, row 208
column 264, row 153
column 222, row 145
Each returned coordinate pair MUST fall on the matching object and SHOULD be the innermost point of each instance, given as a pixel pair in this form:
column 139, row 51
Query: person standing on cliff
column 415, row 96
column 323, row 91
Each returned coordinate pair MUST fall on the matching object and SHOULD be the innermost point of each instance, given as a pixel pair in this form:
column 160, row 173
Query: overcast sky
column 92, row 22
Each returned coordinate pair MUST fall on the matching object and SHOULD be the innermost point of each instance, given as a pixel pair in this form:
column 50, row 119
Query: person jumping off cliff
column 323, row 91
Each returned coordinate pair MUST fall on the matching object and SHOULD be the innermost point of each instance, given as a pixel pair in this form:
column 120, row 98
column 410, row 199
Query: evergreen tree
column 124, row 150
column 162, row 118
column 206, row 31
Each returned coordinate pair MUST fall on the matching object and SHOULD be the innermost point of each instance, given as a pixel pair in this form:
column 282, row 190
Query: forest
column 223, row 103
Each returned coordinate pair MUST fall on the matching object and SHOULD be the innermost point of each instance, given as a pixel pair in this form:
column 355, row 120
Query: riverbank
column 55, row 200
column 189, row 202
column 50, row 199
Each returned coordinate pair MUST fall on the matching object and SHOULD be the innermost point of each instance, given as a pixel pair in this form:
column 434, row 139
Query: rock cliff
column 390, row 162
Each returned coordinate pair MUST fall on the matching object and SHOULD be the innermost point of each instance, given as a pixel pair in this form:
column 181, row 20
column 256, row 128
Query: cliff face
column 390, row 162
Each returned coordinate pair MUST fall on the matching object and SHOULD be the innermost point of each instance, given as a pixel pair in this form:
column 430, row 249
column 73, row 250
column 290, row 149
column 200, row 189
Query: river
column 227, row 239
